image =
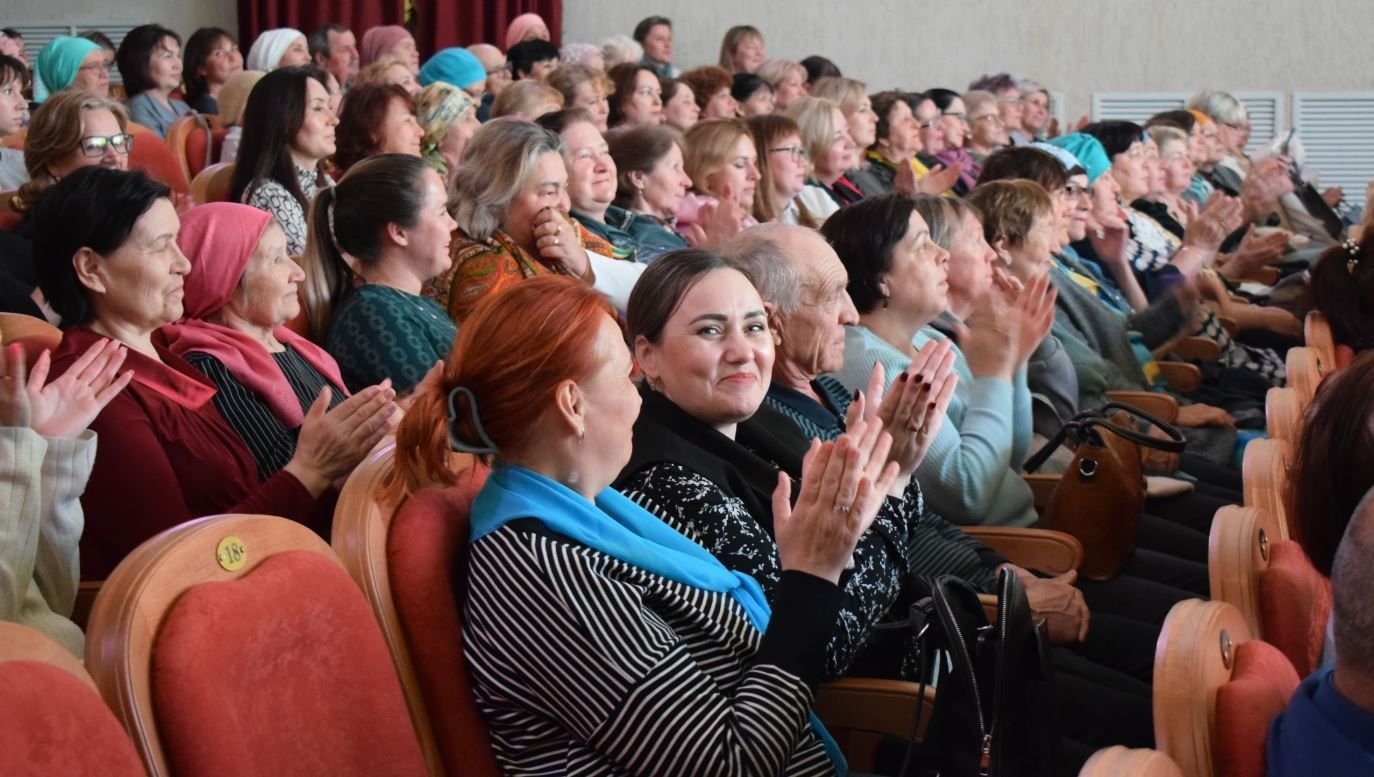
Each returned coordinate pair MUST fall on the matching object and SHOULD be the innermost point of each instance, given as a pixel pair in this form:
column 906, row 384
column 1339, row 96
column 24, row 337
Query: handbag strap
column 1083, row 424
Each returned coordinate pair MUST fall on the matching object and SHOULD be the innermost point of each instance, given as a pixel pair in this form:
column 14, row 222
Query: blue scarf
column 627, row 532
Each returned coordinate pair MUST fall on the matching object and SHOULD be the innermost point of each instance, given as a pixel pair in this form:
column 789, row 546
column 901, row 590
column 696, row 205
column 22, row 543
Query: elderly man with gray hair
column 1328, row 727
column 1103, row 681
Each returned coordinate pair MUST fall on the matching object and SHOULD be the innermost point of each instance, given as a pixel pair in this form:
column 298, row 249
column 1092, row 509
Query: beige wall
column 184, row 16
column 1136, row 45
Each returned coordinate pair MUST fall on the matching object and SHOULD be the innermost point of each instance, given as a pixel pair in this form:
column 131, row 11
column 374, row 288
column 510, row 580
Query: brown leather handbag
column 1100, row 498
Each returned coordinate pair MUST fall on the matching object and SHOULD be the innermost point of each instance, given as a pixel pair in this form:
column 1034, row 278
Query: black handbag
column 996, row 712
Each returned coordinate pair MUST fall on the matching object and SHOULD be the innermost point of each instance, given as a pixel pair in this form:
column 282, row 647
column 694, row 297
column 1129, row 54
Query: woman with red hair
column 649, row 656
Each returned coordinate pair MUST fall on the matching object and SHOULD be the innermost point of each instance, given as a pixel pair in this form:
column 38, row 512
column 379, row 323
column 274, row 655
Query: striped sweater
column 584, row 664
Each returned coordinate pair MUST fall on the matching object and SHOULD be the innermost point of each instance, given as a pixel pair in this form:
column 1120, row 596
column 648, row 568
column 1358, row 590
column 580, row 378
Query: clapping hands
column 67, row 405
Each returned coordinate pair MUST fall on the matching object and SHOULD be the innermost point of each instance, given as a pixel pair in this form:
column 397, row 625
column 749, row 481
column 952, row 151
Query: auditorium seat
column 1121, row 761
column 55, row 724
column 1216, row 689
column 1305, row 372
column 410, row 564
column 237, row 644
column 212, row 184
column 1316, row 331
column 1283, row 414
column 1295, row 604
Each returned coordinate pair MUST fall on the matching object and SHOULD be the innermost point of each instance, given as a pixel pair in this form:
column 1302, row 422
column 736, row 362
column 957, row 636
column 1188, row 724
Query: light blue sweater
column 971, row 474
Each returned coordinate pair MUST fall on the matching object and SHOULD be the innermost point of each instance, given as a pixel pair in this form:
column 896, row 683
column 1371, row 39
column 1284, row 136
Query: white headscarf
column 269, row 48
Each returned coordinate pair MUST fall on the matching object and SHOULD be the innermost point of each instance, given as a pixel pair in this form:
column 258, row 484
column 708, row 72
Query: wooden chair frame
column 1305, row 372
column 1264, row 479
column 1195, row 657
column 1316, row 332
column 362, row 522
column 1120, row 761
column 132, row 605
column 1283, row 409
column 209, row 180
column 1237, row 552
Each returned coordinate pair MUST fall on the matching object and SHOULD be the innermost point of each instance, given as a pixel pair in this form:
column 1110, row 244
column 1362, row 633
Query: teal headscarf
column 456, row 66
column 1088, row 150
column 57, row 65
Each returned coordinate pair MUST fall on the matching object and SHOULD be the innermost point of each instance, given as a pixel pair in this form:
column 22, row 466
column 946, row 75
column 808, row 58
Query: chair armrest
column 859, row 710
column 1198, row 349
column 1229, row 324
column 1041, row 486
column 1052, row 552
column 1180, row 376
column 1161, row 406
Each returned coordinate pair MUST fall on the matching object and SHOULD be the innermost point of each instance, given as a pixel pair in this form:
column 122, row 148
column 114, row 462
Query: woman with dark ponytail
column 374, row 239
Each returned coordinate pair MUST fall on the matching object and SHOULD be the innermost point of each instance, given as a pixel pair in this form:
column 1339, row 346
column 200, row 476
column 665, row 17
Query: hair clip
column 1351, row 247
column 488, row 448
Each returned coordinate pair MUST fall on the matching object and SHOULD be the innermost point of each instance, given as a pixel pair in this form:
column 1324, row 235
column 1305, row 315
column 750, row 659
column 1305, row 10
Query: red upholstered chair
column 55, row 724
column 1121, row 761
column 406, row 562
column 1216, row 690
column 237, row 644
column 1295, row 603
column 151, row 155
column 195, row 143
column 34, row 334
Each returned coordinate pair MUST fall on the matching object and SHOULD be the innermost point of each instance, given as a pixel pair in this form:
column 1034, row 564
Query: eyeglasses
column 962, row 117
column 1009, row 100
column 992, row 118
column 496, row 71
column 106, row 66
column 797, row 153
column 646, row 91
column 1074, row 190
column 1237, row 127
column 95, row 145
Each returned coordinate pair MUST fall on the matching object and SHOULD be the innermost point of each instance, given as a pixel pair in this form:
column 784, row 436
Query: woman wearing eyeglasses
column 69, row 131
column 987, row 128
column 70, row 63
column 954, row 131
column 782, row 168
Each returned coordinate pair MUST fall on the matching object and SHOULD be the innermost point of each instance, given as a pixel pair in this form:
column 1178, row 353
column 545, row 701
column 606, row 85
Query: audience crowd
column 745, row 344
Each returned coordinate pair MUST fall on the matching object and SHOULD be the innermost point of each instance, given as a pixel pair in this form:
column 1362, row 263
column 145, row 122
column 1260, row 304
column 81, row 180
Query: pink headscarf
column 219, row 239
column 378, row 41
column 521, row 25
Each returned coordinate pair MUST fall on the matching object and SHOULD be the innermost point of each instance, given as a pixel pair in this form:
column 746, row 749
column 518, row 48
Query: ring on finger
column 839, row 508
column 914, row 427
column 555, row 239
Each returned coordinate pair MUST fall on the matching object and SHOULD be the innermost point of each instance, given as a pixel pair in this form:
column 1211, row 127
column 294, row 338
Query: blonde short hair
column 816, row 118
column 847, row 93
column 55, row 132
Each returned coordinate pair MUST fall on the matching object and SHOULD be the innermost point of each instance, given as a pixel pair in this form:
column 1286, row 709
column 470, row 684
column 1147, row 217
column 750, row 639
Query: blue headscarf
column 622, row 530
column 57, row 65
column 1089, row 152
column 456, row 66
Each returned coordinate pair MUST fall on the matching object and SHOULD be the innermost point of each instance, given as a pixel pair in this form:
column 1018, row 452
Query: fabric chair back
column 427, row 558
column 1295, row 604
column 1216, row 690
column 152, row 155
column 237, row 644
column 56, row 724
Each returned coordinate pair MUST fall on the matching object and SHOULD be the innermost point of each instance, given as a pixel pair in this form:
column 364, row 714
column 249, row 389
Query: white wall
column 184, row 16
column 1074, row 46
